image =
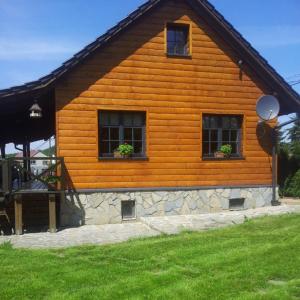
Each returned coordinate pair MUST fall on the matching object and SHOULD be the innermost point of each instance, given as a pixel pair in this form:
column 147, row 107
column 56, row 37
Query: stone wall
column 105, row 207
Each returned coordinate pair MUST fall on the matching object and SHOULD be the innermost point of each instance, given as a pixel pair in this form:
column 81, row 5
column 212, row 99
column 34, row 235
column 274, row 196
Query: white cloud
column 272, row 36
column 34, row 49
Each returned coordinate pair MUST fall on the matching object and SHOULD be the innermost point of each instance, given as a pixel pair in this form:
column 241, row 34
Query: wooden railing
column 24, row 175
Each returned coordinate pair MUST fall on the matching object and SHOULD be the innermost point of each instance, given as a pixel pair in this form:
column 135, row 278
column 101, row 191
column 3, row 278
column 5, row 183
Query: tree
column 292, row 185
column 293, row 133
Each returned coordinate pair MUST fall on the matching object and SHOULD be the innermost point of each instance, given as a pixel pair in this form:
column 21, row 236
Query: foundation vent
column 237, row 203
column 128, row 210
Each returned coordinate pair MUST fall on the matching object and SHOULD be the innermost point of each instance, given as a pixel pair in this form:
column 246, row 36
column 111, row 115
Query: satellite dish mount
column 267, row 108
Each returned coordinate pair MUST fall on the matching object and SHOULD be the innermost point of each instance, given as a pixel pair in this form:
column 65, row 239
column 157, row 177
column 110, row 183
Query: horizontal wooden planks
column 134, row 73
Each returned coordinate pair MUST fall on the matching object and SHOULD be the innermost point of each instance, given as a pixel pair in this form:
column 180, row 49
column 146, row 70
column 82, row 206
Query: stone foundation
column 105, row 207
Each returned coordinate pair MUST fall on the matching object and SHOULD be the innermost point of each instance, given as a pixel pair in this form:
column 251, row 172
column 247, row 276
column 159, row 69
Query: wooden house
column 176, row 82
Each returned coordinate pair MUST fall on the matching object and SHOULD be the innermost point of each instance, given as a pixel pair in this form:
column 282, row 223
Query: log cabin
column 171, row 84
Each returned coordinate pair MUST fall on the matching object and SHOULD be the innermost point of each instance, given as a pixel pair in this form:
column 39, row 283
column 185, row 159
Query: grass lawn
column 257, row 260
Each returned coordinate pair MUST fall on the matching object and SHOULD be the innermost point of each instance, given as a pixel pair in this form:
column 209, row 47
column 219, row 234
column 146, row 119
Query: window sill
column 123, row 159
column 129, row 219
column 224, row 159
column 187, row 56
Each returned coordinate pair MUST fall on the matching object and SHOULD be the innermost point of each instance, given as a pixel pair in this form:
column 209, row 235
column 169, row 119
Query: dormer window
column 178, row 41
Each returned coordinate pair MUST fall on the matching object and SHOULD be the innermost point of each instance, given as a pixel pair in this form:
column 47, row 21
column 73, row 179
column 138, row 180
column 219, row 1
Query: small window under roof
column 178, row 42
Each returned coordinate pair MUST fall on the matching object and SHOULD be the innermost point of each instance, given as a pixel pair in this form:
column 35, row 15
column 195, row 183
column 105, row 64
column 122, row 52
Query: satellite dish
column 267, row 107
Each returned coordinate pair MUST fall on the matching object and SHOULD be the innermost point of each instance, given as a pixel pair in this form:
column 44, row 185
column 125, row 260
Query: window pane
column 213, row 147
column 225, row 122
column 180, row 49
column 234, row 148
column 104, row 118
column 129, row 142
column 226, row 135
column 128, row 134
column 133, row 119
column 104, row 133
column 138, row 147
column 127, row 119
column 138, row 134
column 214, row 135
column 114, row 133
column 206, row 122
column 234, row 135
column 114, row 146
column 181, row 36
column 139, row 119
column 171, row 35
column 205, row 137
column 213, row 122
column 205, row 148
column 104, row 147
column 114, row 119
column 234, row 123
column 172, row 48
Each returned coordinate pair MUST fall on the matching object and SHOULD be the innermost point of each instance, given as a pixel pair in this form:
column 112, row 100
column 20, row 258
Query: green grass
column 257, row 260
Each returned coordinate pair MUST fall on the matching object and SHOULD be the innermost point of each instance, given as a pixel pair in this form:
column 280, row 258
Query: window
column 33, row 162
column 221, row 130
column 45, row 163
column 178, row 39
column 119, row 127
column 128, row 210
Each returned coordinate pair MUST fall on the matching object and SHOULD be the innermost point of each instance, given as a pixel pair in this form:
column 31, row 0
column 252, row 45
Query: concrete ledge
column 152, row 226
column 176, row 224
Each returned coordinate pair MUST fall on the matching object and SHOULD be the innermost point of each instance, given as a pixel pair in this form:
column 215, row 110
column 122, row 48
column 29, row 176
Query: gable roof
column 33, row 153
column 290, row 99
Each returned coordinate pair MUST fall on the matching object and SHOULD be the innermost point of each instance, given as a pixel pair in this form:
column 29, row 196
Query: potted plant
column 125, row 150
column 225, row 151
column 52, row 180
column 117, row 153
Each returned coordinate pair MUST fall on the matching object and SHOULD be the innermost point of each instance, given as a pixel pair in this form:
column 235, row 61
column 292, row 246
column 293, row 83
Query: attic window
column 178, row 42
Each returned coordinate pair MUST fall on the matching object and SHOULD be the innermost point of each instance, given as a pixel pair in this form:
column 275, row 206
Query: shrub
column 288, row 169
column 292, row 185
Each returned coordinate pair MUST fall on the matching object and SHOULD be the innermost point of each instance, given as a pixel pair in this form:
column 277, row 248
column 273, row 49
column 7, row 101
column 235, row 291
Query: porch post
column 3, row 151
column 18, row 215
column 26, row 163
column 28, row 155
column 52, row 213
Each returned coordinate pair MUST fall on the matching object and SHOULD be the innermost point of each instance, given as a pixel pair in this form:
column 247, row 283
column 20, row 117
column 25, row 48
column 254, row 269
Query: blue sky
column 36, row 36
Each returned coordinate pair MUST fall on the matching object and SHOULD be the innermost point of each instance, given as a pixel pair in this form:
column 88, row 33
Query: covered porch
column 21, row 188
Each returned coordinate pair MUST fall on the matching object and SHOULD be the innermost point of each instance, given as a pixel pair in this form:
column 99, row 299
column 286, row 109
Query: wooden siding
column 134, row 73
